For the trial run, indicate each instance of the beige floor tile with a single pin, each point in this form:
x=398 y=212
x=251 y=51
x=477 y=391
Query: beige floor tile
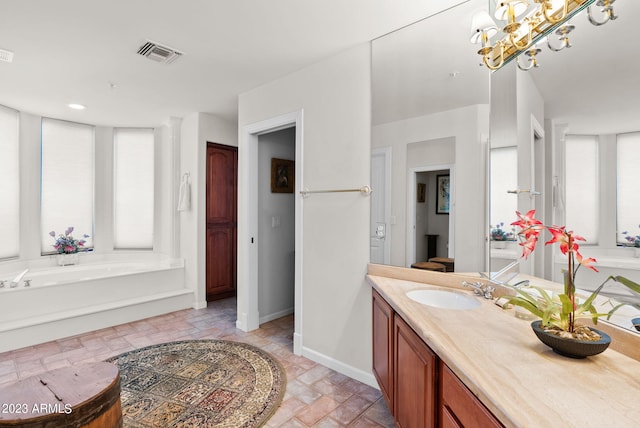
x=315 y=396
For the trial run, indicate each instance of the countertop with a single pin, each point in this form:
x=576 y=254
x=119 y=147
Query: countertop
x=522 y=381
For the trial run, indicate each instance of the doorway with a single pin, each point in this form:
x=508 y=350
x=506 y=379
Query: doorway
x=430 y=228
x=276 y=223
x=379 y=237
x=249 y=215
x=221 y=212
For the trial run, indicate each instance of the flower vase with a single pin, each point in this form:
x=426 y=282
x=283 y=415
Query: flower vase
x=67 y=259
x=572 y=348
x=499 y=245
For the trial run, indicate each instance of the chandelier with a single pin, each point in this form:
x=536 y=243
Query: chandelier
x=525 y=23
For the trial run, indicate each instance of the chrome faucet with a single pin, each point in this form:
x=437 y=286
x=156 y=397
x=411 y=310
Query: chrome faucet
x=480 y=289
x=14 y=283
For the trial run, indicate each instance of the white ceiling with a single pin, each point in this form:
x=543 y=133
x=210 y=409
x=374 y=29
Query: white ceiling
x=594 y=86
x=429 y=67
x=76 y=50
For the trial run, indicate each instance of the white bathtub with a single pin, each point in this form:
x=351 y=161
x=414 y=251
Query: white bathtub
x=99 y=292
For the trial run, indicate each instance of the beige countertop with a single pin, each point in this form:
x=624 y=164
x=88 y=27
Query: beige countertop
x=522 y=381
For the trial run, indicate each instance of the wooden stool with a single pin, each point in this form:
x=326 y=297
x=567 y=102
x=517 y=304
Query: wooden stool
x=84 y=395
x=430 y=266
x=448 y=262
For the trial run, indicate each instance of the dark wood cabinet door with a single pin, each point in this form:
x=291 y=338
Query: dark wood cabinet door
x=222 y=190
x=459 y=407
x=414 y=396
x=383 y=347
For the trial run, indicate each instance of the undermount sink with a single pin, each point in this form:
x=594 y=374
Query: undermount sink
x=444 y=299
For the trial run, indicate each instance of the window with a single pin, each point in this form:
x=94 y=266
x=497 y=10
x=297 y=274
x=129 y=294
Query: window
x=582 y=190
x=628 y=179
x=133 y=188
x=66 y=180
x=504 y=176
x=10 y=189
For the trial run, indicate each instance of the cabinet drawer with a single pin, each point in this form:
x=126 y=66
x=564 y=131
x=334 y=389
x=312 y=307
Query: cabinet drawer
x=458 y=406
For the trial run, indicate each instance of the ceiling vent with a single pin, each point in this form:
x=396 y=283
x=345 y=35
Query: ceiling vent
x=6 y=56
x=159 y=53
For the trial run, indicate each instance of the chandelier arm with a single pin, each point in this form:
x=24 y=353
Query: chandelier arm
x=564 y=44
x=608 y=15
x=486 y=58
x=546 y=7
x=520 y=46
x=524 y=68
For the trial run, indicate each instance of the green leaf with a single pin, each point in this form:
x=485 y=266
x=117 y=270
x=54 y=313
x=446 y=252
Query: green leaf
x=628 y=283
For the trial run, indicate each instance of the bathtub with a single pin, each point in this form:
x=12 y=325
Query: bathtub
x=99 y=292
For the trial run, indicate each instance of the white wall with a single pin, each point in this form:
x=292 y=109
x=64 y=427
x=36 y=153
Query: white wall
x=336 y=301
x=276 y=230
x=467 y=127
x=195 y=131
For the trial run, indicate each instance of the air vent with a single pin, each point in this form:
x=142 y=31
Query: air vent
x=159 y=53
x=6 y=56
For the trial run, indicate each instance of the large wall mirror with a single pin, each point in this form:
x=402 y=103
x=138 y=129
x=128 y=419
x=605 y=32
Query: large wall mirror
x=430 y=117
x=565 y=141
x=437 y=111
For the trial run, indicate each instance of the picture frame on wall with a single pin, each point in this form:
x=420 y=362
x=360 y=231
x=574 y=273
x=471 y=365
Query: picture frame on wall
x=421 y=193
x=283 y=174
x=442 y=194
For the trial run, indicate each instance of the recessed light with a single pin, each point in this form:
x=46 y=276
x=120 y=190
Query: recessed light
x=76 y=106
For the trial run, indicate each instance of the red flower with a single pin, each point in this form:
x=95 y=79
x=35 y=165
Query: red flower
x=531 y=228
x=586 y=262
x=529 y=245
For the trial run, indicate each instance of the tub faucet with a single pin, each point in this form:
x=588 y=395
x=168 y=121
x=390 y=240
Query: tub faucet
x=14 y=283
x=480 y=289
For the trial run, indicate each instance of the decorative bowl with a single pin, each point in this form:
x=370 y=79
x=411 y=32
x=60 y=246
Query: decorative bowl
x=572 y=348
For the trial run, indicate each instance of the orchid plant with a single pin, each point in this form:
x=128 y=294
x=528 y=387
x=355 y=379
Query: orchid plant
x=560 y=311
x=65 y=242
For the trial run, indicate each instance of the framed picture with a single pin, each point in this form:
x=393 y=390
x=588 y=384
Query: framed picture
x=422 y=192
x=283 y=173
x=442 y=195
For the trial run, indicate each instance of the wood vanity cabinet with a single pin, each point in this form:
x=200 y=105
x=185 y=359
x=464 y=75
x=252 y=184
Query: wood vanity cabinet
x=420 y=390
x=414 y=379
x=383 y=347
x=458 y=406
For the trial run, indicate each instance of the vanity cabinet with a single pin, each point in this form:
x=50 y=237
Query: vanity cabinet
x=414 y=388
x=383 y=347
x=420 y=390
x=458 y=406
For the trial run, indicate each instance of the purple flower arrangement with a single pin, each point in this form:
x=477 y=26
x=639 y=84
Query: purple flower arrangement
x=66 y=243
x=632 y=240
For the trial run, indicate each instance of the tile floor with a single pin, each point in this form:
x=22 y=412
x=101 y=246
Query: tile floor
x=316 y=396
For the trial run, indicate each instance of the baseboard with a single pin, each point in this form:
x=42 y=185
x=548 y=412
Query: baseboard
x=200 y=305
x=297 y=343
x=276 y=315
x=345 y=369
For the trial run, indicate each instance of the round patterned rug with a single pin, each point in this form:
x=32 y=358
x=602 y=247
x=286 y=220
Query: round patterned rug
x=199 y=383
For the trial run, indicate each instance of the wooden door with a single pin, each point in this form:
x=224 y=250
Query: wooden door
x=414 y=394
x=383 y=347
x=222 y=191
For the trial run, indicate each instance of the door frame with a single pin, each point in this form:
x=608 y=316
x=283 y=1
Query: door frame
x=248 y=318
x=412 y=177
